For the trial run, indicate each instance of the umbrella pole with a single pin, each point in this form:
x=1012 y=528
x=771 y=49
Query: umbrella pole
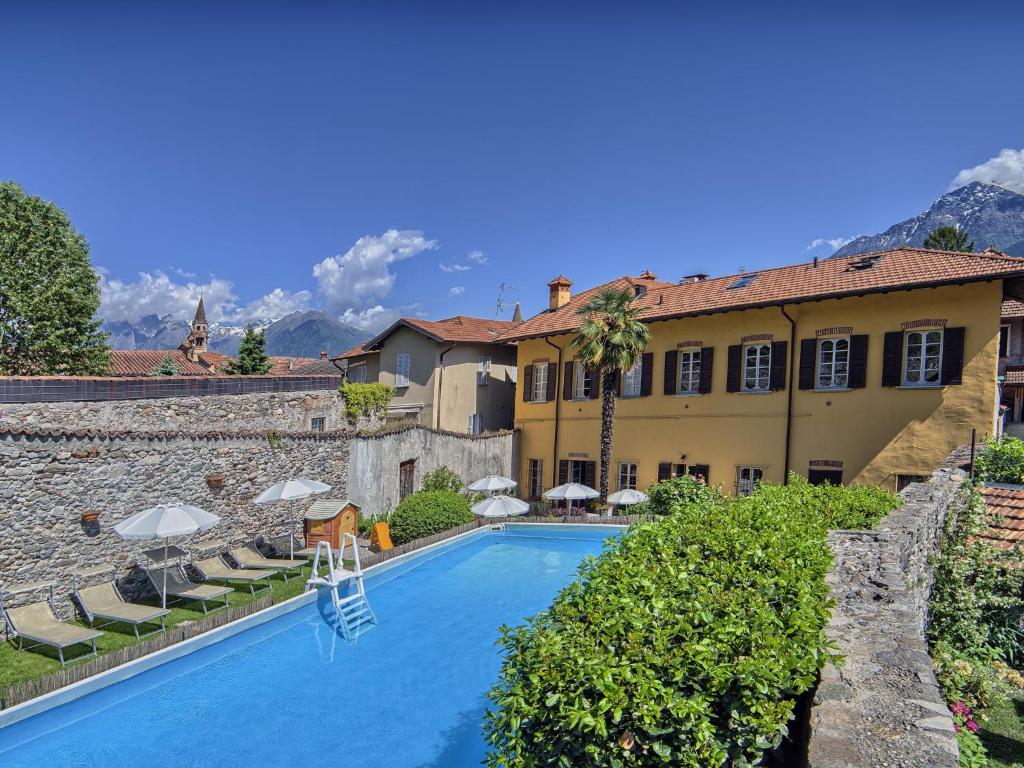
x=164 y=605
x=291 y=539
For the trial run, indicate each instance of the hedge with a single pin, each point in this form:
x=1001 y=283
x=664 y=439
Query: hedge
x=426 y=513
x=685 y=644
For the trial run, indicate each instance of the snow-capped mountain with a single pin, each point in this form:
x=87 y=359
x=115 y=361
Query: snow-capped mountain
x=300 y=334
x=992 y=216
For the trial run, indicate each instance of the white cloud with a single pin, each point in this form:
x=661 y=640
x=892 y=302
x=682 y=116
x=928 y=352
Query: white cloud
x=372 y=319
x=835 y=243
x=1005 y=169
x=478 y=257
x=157 y=294
x=454 y=267
x=361 y=276
x=456 y=290
x=274 y=305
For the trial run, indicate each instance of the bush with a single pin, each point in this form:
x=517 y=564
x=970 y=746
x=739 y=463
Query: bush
x=362 y=400
x=428 y=512
x=834 y=507
x=677 y=493
x=1001 y=461
x=684 y=644
x=442 y=479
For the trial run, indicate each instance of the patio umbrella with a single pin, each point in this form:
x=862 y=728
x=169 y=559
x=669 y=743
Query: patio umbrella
x=493 y=483
x=291 y=490
x=571 y=492
x=628 y=496
x=166 y=521
x=500 y=506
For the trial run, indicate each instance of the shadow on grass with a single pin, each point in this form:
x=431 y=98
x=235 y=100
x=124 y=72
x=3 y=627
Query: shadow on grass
x=1003 y=734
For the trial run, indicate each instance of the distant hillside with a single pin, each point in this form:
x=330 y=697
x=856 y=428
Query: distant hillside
x=300 y=334
x=991 y=215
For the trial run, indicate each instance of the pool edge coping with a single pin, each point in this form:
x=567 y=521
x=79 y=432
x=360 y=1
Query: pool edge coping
x=129 y=669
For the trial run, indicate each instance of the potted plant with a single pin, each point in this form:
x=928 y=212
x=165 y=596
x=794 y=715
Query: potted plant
x=215 y=480
x=90 y=515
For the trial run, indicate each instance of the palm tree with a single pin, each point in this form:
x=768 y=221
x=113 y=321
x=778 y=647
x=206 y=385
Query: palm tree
x=610 y=340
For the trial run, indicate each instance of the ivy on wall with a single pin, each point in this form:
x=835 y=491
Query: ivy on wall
x=364 y=400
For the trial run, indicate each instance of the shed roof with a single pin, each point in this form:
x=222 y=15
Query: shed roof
x=329 y=508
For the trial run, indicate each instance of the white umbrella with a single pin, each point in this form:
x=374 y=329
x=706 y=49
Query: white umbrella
x=493 y=483
x=571 y=492
x=166 y=521
x=291 y=490
x=627 y=496
x=500 y=506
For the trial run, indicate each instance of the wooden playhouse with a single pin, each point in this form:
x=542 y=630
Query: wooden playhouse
x=327 y=520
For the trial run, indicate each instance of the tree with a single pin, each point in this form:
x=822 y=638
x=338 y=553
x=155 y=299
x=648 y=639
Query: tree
x=252 y=355
x=167 y=367
x=49 y=292
x=950 y=238
x=610 y=340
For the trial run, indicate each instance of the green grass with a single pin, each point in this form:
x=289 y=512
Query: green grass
x=1003 y=733
x=18 y=666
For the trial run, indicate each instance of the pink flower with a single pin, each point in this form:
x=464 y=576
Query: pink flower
x=972 y=726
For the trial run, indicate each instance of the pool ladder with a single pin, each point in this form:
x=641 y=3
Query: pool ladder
x=353 y=611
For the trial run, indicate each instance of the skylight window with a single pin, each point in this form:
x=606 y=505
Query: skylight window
x=865 y=262
x=744 y=281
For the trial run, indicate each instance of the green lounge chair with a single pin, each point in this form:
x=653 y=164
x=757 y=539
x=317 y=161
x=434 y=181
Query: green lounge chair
x=105 y=601
x=180 y=587
x=250 y=557
x=38 y=622
x=215 y=569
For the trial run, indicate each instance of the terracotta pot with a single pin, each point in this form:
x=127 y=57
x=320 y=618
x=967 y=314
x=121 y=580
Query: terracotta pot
x=90 y=516
x=215 y=480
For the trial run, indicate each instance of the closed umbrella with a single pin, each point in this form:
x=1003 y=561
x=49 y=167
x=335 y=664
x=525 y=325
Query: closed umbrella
x=500 y=506
x=626 y=497
x=493 y=483
x=166 y=521
x=291 y=490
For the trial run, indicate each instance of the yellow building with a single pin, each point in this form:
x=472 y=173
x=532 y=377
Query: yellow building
x=865 y=369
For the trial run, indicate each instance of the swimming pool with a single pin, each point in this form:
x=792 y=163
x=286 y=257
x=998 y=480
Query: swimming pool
x=408 y=693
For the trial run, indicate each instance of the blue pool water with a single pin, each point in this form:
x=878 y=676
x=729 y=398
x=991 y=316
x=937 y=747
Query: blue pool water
x=291 y=692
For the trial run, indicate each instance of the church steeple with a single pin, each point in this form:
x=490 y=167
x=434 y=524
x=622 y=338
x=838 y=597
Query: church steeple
x=200 y=318
x=195 y=344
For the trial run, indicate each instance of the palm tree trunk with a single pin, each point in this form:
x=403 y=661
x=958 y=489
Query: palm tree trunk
x=609 y=389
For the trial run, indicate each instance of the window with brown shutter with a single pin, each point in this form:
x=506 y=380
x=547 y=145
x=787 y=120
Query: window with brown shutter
x=589 y=473
x=808 y=361
x=703 y=471
x=732 y=378
x=671 y=372
x=527 y=383
x=552 y=381
x=953 y=355
x=778 y=376
x=567 y=380
x=858 y=362
x=664 y=472
x=595 y=384
x=707 y=361
x=823 y=476
x=563 y=472
x=646 y=374
x=892 y=358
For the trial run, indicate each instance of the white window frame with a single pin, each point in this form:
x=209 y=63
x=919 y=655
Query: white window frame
x=763 y=361
x=746 y=482
x=921 y=368
x=483 y=371
x=540 y=383
x=826 y=362
x=629 y=469
x=403 y=367
x=357 y=374
x=580 y=381
x=689 y=372
x=632 y=380
x=535 y=478
x=476 y=423
x=318 y=424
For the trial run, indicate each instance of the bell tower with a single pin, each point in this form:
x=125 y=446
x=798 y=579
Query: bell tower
x=195 y=344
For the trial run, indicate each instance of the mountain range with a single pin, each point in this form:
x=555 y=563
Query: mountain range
x=299 y=334
x=991 y=215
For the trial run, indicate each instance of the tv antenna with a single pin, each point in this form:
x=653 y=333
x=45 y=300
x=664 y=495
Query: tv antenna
x=501 y=305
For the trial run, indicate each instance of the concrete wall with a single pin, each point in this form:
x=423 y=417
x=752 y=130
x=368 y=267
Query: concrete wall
x=264 y=411
x=876 y=432
x=882 y=705
x=417 y=399
x=375 y=459
x=461 y=395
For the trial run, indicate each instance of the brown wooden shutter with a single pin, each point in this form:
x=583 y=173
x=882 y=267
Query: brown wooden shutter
x=589 y=473
x=567 y=381
x=732 y=378
x=679 y=471
x=563 y=472
x=618 y=385
x=595 y=385
x=858 y=372
x=664 y=472
x=671 y=372
x=808 y=353
x=646 y=374
x=707 y=367
x=527 y=383
x=892 y=358
x=778 y=374
x=552 y=382
x=701 y=470
x=953 y=355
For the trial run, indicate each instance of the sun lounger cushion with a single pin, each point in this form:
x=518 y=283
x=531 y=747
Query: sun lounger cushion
x=216 y=568
x=102 y=600
x=37 y=622
x=249 y=557
x=179 y=587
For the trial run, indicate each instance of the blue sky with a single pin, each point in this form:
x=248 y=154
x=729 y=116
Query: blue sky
x=385 y=158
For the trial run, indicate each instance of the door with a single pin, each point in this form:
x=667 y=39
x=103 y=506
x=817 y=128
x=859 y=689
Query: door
x=406 y=474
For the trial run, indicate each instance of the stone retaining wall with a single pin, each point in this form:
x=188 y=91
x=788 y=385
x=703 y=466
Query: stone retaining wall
x=882 y=706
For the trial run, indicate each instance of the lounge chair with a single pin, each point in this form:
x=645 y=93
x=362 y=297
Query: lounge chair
x=38 y=622
x=179 y=586
x=105 y=601
x=290 y=544
x=250 y=557
x=215 y=569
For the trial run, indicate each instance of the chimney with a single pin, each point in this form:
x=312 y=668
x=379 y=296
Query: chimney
x=815 y=262
x=647 y=275
x=694 y=278
x=560 y=292
x=323 y=355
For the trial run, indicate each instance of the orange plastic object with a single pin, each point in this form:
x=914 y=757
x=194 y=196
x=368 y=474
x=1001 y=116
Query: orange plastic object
x=380 y=537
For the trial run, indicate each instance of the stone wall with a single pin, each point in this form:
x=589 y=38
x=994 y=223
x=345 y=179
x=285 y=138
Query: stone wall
x=882 y=706
x=374 y=467
x=262 y=411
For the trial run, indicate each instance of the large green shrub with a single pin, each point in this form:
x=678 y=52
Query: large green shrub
x=833 y=507
x=365 y=399
x=1001 y=461
x=443 y=479
x=428 y=512
x=685 y=644
x=675 y=493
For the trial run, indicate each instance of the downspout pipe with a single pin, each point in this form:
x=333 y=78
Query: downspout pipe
x=440 y=383
x=558 y=403
x=789 y=392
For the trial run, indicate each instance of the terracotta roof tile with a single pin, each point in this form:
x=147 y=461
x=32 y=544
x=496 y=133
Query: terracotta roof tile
x=885 y=270
x=460 y=328
x=1007 y=503
x=282 y=365
x=142 y=362
x=356 y=351
x=1013 y=308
